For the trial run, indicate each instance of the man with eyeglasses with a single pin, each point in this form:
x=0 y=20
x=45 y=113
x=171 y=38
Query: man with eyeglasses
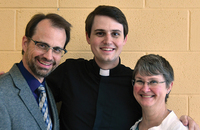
x=44 y=47
x=26 y=102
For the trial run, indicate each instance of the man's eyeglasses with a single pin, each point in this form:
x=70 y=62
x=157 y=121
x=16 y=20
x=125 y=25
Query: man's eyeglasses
x=44 y=47
x=141 y=83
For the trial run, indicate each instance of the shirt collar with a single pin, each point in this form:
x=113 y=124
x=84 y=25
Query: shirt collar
x=110 y=72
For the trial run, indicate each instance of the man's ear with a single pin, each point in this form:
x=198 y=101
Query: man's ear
x=87 y=38
x=24 y=43
x=125 y=39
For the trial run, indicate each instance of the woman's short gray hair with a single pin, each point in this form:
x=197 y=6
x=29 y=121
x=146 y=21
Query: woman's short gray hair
x=153 y=64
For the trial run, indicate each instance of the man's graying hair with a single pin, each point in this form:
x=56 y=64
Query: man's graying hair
x=56 y=20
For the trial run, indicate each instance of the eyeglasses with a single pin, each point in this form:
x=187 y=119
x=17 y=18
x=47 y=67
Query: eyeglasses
x=44 y=47
x=141 y=83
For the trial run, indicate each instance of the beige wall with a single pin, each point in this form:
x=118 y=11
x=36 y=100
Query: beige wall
x=170 y=28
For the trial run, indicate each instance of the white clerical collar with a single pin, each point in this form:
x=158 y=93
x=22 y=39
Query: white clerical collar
x=104 y=72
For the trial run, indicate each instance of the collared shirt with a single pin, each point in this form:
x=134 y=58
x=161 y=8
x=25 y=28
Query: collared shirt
x=92 y=98
x=171 y=122
x=31 y=80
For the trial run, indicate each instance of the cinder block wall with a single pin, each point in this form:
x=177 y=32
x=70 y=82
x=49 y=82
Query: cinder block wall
x=170 y=28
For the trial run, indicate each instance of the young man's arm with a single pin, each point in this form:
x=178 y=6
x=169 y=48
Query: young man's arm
x=188 y=121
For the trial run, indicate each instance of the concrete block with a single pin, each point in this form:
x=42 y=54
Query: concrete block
x=195 y=30
x=94 y=4
x=28 y=3
x=7 y=30
x=172 y=3
x=129 y=59
x=160 y=30
x=178 y=103
x=194 y=107
x=14 y=57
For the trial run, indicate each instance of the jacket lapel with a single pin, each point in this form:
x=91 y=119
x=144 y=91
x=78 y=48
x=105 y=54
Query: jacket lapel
x=53 y=108
x=26 y=96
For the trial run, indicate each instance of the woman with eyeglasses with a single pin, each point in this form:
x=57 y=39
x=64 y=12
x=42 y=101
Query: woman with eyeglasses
x=152 y=82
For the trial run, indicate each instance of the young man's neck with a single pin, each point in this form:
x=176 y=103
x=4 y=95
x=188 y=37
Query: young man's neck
x=107 y=65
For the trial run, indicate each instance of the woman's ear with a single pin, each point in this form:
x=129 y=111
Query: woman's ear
x=170 y=87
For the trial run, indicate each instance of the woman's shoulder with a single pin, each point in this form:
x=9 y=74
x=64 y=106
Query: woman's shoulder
x=173 y=123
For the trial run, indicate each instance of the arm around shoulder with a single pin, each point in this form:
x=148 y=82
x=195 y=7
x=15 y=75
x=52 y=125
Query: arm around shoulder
x=188 y=121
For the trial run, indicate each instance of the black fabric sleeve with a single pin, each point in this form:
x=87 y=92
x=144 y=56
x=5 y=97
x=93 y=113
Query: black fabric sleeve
x=55 y=80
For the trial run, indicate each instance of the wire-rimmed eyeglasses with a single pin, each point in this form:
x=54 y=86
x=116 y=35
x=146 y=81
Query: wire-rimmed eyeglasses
x=44 y=47
x=152 y=83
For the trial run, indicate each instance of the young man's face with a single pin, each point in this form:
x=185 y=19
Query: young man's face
x=106 y=40
x=37 y=61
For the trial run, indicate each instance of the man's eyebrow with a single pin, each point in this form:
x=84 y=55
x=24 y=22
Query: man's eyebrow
x=43 y=43
x=114 y=30
x=99 y=30
x=49 y=45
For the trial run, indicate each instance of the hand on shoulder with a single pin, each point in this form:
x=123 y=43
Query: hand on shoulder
x=2 y=72
x=188 y=121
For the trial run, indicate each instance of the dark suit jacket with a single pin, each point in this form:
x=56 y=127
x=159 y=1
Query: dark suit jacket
x=18 y=108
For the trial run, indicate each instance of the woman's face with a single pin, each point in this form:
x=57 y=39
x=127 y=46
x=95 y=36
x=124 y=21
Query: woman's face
x=150 y=91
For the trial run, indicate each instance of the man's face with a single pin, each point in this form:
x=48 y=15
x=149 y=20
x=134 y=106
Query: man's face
x=106 y=40
x=37 y=62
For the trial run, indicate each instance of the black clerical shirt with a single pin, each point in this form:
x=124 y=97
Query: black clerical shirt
x=94 y=101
